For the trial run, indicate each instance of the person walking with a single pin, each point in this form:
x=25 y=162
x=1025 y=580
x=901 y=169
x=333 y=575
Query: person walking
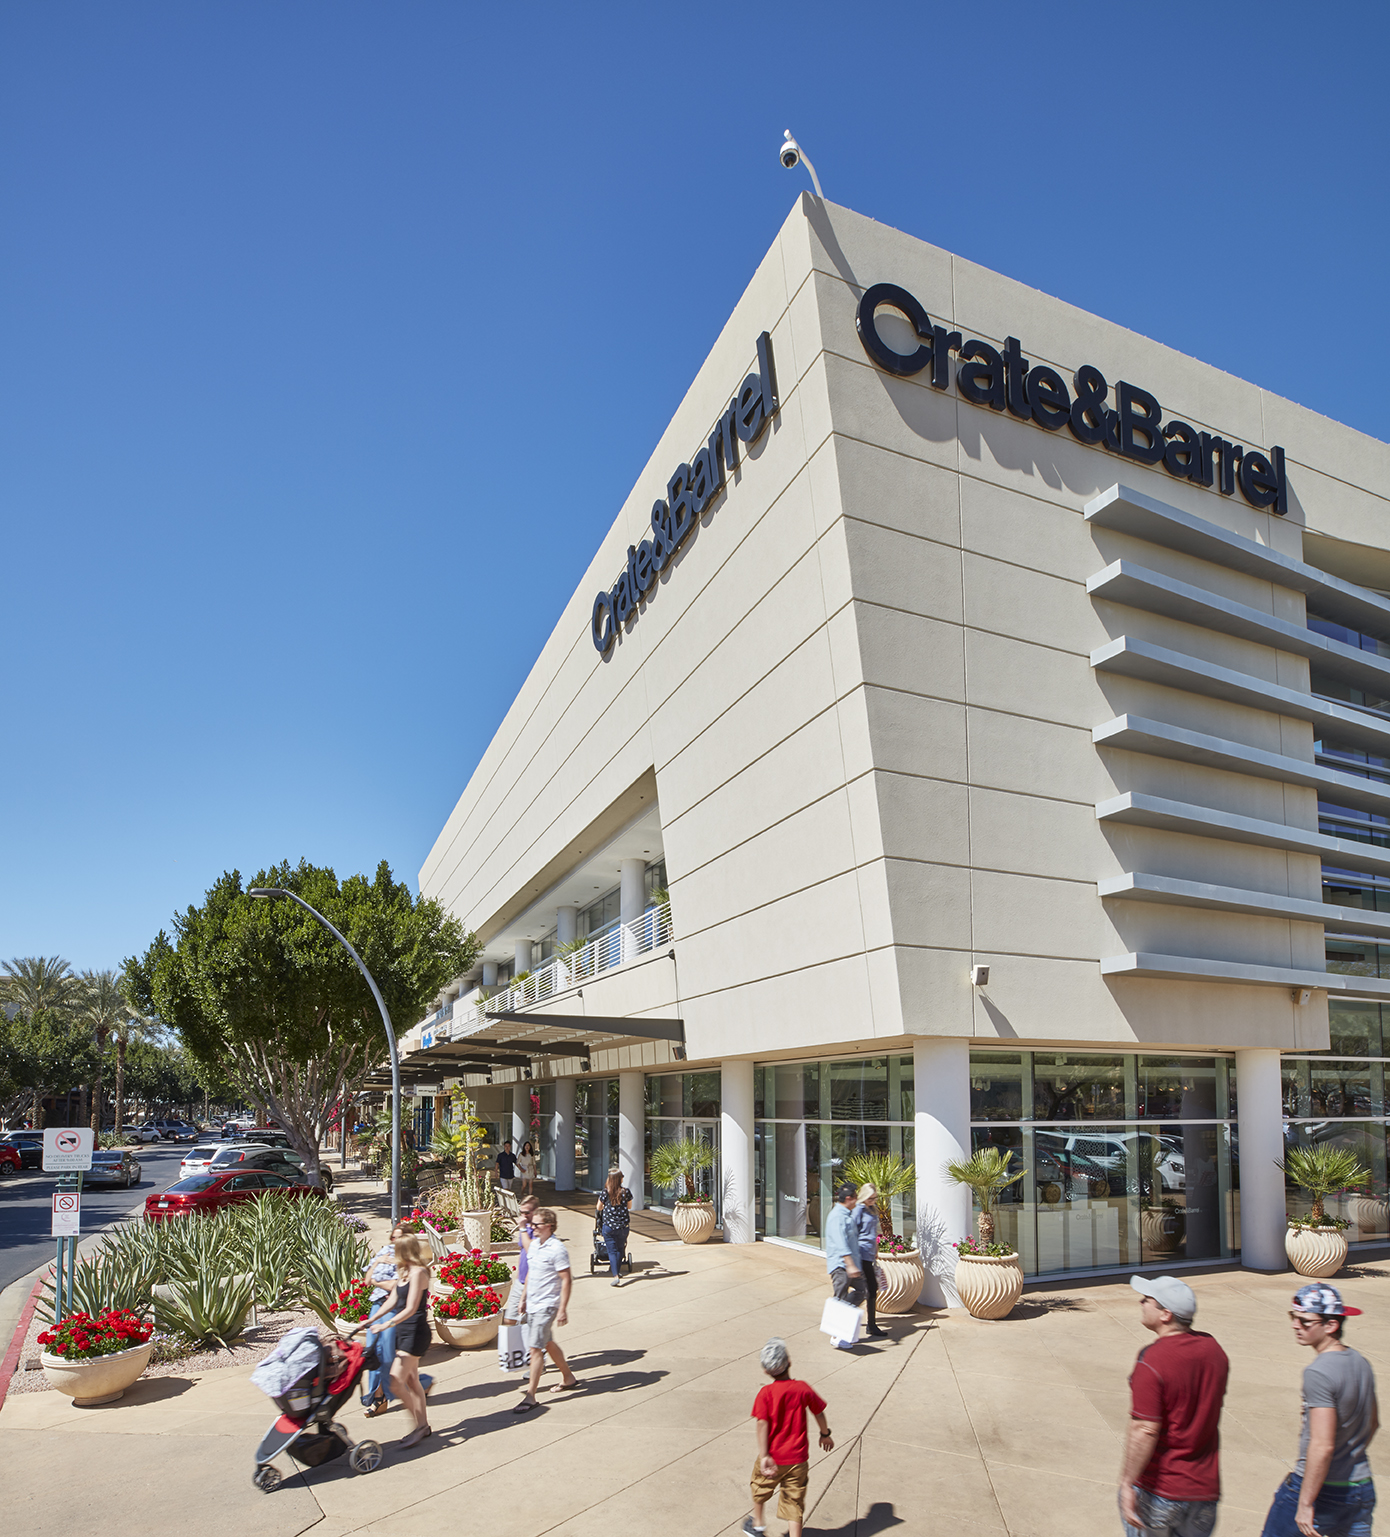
x=544 y=1304
x=381 y=1272
x=506 y=1165
x=405 y=1308
x=784 y=1452
x=1330 y=1492
x=842 y=1255
x=526 y=1167
x=1170 y=1479
x=525 y=1233
x=611 y=1214
x=864 y=1227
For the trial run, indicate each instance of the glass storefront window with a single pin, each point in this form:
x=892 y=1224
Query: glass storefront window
x=1070 y=1086
x=1325 y=1087
x=1354 y=1028
x=1001 y=1087
x=1181 y=1088
x=681 y=1105
x=1365 y=1208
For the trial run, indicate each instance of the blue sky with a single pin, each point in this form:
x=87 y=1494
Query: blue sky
x=333 y=335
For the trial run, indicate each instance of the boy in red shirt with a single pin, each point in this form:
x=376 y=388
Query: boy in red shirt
x=783 y=1449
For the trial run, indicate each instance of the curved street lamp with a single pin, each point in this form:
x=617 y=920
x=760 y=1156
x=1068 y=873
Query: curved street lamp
x=279 y=891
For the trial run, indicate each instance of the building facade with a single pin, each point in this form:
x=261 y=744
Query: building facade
x=973 y=729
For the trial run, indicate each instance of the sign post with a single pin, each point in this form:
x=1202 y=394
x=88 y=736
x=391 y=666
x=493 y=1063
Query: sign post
x=67 y=1152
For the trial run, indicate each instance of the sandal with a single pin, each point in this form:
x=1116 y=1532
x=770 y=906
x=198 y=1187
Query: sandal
x=525 y=1406
x=379 y=1405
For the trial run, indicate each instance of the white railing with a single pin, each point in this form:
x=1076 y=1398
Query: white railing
x=616 y=944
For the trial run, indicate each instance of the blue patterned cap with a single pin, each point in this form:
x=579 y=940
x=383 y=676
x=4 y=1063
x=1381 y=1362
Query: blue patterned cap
x=1323 y=1300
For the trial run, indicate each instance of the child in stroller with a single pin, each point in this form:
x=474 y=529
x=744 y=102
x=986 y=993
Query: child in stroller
x=598 y=1260
x=309 y=1381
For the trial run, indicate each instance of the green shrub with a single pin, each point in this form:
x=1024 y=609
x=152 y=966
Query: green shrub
x=206 y=1308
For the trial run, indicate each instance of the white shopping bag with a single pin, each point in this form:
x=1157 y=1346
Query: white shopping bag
x=512 y=1354
x=840 y=1320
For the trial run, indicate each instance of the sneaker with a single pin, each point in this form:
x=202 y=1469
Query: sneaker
x=750 y=1530
x=615 y=1281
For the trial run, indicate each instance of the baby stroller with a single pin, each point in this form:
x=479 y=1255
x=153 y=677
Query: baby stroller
x=598 y=1260
x=309 y=1382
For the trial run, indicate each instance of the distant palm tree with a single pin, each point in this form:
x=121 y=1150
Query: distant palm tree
x=33 y=983
x=131 y=1026
x=102 y=1008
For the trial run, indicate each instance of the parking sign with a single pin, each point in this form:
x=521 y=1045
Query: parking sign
x=66 y=1148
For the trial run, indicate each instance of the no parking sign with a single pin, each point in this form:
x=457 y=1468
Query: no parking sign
x=67 y=1148
x=67 y=1213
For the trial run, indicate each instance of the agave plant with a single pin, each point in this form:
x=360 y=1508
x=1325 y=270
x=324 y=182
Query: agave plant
x=99 y=1283
x=1322 y=1168
x=986 y=1172
x=205 y=1308
x=889 y=1175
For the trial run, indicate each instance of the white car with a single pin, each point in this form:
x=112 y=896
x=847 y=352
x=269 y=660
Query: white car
x=198 y=1159
x=149 y=1132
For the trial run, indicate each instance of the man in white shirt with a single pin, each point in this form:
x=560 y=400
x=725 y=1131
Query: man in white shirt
x=545 y=1296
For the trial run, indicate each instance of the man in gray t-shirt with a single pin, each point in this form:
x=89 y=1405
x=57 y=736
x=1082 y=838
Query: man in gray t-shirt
x=1330 y=1492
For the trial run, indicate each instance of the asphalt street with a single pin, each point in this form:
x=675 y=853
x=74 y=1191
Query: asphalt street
x=26 y=1205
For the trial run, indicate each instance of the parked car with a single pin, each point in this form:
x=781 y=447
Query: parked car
x=10 y=1162
x=270 y=1136
x=177 y=1131
x=147 y=1132
x=212 y=1192
x=29 y=1145
x=113 y=1166
x=135 y=1134
x=282 y=1161
x=198 y=1159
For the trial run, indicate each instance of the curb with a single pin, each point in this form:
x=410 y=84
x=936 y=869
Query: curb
x=11 y=1361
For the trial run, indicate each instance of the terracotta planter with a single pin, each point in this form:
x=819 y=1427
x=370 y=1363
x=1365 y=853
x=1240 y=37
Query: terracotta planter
x=101 y=1380
x=903 y=1276
x=468 y=1333
x=989 y=1285
x=693 y=1223
x=477 y=1229
x=1316 y=1252
x=1161 y=1229
x=1369 y=1214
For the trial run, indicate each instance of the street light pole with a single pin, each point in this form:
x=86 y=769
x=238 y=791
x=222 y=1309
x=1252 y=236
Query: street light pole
x=279 y=891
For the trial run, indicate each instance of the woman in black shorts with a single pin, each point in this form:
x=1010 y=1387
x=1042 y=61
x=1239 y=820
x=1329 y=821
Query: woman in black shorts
x=406 y=1307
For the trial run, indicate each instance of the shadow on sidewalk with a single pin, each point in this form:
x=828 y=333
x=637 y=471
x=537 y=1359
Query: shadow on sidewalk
x=879 y=1517
x=492 y=1418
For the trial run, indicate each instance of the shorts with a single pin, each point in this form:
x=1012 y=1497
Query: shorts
x=790 y=1484
x=536 y=1327
x=413 y=1336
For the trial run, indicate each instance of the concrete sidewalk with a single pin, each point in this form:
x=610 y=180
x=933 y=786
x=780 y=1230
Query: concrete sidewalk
x=1012 y=1427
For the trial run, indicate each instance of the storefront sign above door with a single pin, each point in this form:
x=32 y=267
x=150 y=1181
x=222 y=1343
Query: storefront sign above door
x=1133 y=427
x=691 y=489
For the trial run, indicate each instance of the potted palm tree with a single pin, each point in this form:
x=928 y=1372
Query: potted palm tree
x=1317 y=1244
x=675 y=1166
x=901 y=1263
x=989 y=1279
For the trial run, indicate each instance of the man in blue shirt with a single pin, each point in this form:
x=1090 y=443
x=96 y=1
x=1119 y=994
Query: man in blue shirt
x=842 y=1253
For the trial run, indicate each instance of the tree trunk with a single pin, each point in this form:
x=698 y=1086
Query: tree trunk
x=120 y=1083
x=986 y=1226
x=37 y=1116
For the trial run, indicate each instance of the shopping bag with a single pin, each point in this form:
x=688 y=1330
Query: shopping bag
x=512 y=1354
x=840 y=1321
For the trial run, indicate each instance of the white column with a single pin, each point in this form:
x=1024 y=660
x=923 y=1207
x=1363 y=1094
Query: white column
x=1260 y=1110
x=489 y=973
x=566 y=925
x=736 y=1151
x=564 y=1134
x=941 y=1086
x=633 y=897
x=521 y=1114
x=521 y=956
x=632 y=1116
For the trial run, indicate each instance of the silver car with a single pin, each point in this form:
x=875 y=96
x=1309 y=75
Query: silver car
x=113 y=1166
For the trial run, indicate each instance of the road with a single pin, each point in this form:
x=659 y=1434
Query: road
x=26 y=1205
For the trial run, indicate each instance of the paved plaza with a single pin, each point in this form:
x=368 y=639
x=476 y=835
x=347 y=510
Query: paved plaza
x=951 y=1424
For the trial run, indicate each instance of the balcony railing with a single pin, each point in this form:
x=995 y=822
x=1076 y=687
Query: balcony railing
x=621 y=942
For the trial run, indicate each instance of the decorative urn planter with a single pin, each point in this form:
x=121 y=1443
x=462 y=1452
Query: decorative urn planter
x=693 y=1221
x=1161 y=1229
x=468 y=1333
x=989 y=1285
x=101 y=1380
x=477 y=1229
x=1316 y=1251
x=904 y=1275
x=1371 y=1215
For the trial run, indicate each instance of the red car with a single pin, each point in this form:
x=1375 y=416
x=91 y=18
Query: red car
x=211 y=1192
x=10 y=1161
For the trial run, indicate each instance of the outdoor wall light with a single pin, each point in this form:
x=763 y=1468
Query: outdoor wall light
x=979 y=976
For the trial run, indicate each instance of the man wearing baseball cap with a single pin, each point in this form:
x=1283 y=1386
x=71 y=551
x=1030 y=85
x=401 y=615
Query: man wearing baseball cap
x=1329 y=1493
x=1170 y=1480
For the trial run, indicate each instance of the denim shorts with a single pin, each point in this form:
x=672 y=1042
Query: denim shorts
x=1171 y=1518
x=1340 y=1510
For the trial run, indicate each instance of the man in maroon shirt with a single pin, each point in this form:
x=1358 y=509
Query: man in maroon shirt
x=1171 y=1478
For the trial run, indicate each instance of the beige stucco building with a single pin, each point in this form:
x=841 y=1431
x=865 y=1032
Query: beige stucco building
x=934 y=684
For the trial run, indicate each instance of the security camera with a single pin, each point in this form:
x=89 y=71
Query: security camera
x=979 y=976
x=791 y=152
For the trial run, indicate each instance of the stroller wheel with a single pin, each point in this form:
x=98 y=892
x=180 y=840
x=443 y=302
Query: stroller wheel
x=266 y=1478
x=365 y=1457
x=628 y=1262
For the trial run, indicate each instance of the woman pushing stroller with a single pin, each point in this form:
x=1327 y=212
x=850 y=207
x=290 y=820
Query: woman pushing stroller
x=405 y=1312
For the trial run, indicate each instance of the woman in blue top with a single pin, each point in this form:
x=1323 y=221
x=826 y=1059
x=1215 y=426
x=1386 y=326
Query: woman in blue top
x=863 y=1224
x=613 y=1219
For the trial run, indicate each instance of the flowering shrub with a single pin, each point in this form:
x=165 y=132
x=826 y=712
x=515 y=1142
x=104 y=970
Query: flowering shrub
x=969 y=1246
x=354 y=1302
x=352 y=1223
x=80 y=1337
x=468 y=1302
x=464 y=1268
x=891 y=1243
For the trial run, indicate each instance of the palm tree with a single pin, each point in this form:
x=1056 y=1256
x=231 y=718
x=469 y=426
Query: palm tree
x=986 y=1171
x=888 y=1174
x=102 y=1008
x=36 y=982
x=131 y=1026
x=1322 y=1168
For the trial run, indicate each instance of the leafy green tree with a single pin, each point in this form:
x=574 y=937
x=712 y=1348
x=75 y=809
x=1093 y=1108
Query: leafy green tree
x=261 y=991
x=36 y=985
x=47 y=1049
